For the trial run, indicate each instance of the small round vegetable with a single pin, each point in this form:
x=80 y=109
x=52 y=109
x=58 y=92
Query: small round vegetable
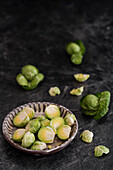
x=46 y=134
x=45 y=122
x=63 y=132
x=76 y=58
x=86 y=136
x=29 y=71
x=18 y=135
x=30 y=112
x=53 y=91
x=90 y=102
x=33 y=126
x=21 y=119
x=41 y=117
x=28 y=139
x=37 y=145
x=69 y=119
x=52 y=111
x=72 y=48
x=81 y=77
x=57 y=122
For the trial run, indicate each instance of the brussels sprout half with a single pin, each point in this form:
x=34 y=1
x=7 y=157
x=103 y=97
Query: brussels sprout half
x=18 y=135
x=57 y=122
x=63 y=132
x=52 y=111
x=37 y=145
x=28 y=140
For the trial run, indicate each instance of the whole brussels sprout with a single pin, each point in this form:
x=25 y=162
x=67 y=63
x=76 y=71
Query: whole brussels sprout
x=45 y=122
x=46 y=134
x=63 y=132
x=37 y=145
x=72 y=48
x=21 y=119
x=69 y=119
x=18 y=135
x=86 y=136
x=57 y=122
x=33 y=126
x=28 y=140
x=76 y=58
x=81 y=77
x=41 y=117
x=30 y=112
x=52 y=111
x=53 y=91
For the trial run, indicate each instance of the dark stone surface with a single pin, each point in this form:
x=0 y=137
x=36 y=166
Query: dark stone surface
x=36 y=32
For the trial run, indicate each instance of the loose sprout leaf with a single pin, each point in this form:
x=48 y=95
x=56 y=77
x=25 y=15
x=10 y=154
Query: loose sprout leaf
x=103 y=105
x=53 y=91
x=81 y=77
x=77 y=91
x=21 y=80
x=89 y=112
x=100 y=150
x=87 y=136
x=81 y=45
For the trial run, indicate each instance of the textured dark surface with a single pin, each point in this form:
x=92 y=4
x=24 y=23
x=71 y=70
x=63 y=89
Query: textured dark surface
x=36 y=32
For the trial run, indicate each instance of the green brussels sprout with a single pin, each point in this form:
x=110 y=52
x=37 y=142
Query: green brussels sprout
x=69 y=119
x=100 y=150
x=21 y=119
x=72 y=48
x=53 y=91
x=76 y=58
x=96 y=105
x=28 y=140
x=45 y=122
x=46 y=134
x=33 y=126
x=18 y=135
x=30 y=77
x=41 y=117
x=63 y=132
x=30 y=112
x=37 y=145
x=52 y=111
x=86 y=136
x=81 y=77
x=77 y=91
x=56 y=122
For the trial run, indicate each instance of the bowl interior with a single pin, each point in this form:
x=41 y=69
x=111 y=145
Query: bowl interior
x=39 y=108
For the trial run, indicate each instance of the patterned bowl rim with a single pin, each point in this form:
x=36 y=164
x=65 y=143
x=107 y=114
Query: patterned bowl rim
x=36 y=152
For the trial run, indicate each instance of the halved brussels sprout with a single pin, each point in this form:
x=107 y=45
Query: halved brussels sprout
x=53 y=91
x=63 y=132
x=21 y=119
x=37 y=145
x=69 y=119
x=86 y=136
x=52 y=111
x=41 y=117
x=18 y=135
x=57 y=122
x=77 y=91
x=33 y=126
x=45 y=122
x=46 y=134
x=30 y=112
x=81 y=77
x=28 y=140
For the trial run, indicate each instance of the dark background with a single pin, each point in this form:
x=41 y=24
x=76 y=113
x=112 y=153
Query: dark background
x=36 y=32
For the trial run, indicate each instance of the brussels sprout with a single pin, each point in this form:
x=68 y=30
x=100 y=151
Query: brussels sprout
x=30 y=77
x=18 y=135
x=53 y=91
x=28 y=140
x=41 y=117
x=52 y=111
x=96 y=104
x=63 y=132
x=46 y=134
x=100 y=150
x=76 y=58
x=37 y=145
x=81 y=77
x=21 y=119
x=33 y=126
x=69 y=119
x=77 y=91
x=30 y=112
x=72 y=48
x=57 y=122
x=45 y=122
x=86 y=136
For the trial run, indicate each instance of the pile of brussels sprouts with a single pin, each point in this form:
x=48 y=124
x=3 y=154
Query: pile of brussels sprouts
x=35 y=133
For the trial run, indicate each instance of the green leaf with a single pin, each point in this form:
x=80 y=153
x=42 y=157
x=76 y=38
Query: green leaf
x=103 y=105
x=89 y=112
x=81 y=45
x=100 y=150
